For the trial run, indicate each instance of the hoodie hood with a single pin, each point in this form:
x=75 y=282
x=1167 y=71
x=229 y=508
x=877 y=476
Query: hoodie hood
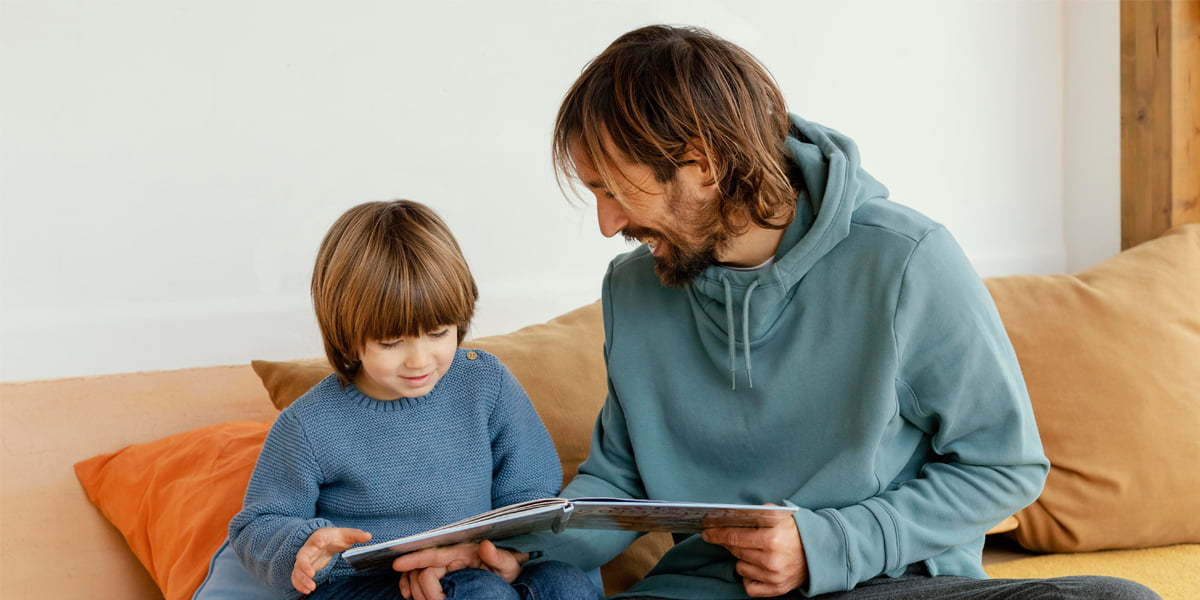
x=744 y=304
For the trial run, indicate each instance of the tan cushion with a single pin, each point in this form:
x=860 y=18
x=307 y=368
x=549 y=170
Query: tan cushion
x=1111 y=357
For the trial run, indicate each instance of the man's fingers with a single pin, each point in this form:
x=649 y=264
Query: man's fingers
x=757 y=572
x=761 y=589
x=735 y=537
x=753 y=556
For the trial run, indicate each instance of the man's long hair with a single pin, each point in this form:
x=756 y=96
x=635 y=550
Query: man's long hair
x=659 y=91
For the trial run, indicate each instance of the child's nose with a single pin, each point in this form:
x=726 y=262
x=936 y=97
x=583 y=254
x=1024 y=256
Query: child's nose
x=418 y=355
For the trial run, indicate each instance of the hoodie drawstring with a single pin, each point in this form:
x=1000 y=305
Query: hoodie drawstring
x=746 y=331
x=731 y=332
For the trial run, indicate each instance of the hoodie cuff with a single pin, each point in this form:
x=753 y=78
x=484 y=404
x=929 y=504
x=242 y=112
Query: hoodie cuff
x=843 y=547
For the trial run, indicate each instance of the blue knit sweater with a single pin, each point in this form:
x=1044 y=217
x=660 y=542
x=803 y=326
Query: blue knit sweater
x=337 y=458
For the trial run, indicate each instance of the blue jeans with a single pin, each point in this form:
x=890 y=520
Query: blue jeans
x=547 y=580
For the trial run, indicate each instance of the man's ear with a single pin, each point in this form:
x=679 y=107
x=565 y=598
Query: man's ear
x=698 y=165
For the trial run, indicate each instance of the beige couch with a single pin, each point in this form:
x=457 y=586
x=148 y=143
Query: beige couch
x=1110 y=356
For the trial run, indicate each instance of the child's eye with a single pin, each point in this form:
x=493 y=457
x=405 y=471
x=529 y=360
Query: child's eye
x=440 y=332
x=389 y=343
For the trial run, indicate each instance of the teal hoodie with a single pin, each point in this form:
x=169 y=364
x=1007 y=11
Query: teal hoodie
x=864 y=377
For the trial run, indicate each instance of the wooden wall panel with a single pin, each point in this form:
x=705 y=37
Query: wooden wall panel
x=1160 y=117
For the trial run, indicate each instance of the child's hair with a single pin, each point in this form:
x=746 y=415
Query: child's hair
x=387 y=270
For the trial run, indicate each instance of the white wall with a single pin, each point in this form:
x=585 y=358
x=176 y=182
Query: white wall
x=1092 y=122
x=168 y=167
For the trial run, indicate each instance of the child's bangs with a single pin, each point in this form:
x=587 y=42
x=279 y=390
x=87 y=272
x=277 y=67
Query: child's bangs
x=418 y=303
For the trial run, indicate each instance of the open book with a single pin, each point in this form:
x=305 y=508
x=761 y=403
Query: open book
x=556 y=514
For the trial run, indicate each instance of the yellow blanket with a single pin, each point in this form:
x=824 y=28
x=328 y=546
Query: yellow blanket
x=1172 y=571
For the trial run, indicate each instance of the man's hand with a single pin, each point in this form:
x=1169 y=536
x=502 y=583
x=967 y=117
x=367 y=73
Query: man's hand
x=422 y=571
x=321 y=546
x=770 y=559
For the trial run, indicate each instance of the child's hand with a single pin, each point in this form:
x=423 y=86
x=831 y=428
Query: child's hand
x=423 y=584
x=318 y=549
x=504 y=563
x=422 y=571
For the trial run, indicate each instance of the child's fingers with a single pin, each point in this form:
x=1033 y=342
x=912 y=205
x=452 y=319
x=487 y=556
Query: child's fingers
x=337 y=539
x=302 y=578
x=500 y=562
x=430 y=583
x=462 y=555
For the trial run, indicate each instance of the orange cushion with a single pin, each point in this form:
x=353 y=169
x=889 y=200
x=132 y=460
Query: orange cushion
x=172 y=499
x=1111 y=357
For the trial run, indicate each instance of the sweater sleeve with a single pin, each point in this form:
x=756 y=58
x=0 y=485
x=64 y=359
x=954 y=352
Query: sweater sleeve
x=958 y=380
x=277 y=515
x=525 y=465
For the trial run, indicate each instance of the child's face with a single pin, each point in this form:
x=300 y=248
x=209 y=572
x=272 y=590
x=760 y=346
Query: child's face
x=406 y=367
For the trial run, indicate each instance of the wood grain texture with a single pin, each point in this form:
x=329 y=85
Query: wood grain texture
x=1160 y=117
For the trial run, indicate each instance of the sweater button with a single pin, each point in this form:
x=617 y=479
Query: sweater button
x=472 y=355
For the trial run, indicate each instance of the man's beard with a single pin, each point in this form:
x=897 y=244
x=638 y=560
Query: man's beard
x=683 y=261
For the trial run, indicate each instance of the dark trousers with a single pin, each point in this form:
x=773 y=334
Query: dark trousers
x=917 y=584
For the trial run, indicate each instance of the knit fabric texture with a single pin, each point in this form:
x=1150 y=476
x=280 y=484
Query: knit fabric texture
x=337 y=458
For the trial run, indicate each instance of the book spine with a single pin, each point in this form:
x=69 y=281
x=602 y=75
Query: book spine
x=560 y=523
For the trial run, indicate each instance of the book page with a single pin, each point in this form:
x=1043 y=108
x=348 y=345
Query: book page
x=503 y=522
x=676 y=517
x=552 y=514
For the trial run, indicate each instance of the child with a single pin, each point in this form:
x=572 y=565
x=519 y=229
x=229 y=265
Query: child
x=411 y=432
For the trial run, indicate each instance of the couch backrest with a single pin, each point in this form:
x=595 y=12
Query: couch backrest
x=53 y=542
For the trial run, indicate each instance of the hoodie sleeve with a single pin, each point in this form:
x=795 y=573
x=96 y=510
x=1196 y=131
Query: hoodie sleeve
x=608 y=472
x=958 y=380
x=278 y=513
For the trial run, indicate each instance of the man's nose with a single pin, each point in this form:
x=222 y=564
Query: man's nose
x=611 y=215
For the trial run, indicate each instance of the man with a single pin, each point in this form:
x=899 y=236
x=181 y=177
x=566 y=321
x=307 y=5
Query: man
x=785 y=334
